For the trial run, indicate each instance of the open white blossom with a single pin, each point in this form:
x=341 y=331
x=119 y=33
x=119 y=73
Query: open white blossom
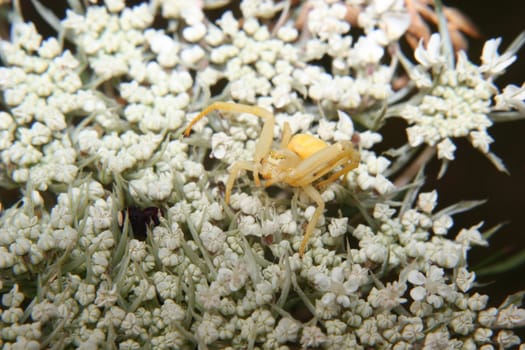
x=391 y=18
x=512 y=97
x=431 y=288
x=431 y=56
x=491 y=62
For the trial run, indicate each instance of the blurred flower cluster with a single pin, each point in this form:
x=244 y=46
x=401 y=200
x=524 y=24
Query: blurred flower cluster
x=91 y=123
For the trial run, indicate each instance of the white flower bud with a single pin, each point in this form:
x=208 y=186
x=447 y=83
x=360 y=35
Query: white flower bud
x=115 y=5
x=287 y=33
x=192 y=54
x=194 y=33
x=213 y=238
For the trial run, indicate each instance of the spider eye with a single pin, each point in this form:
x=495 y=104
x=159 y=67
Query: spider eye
x=276 y=155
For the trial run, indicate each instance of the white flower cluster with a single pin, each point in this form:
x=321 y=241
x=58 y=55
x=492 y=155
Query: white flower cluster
x=109 y=41
x=456 y=100
x=42 y=87
x=275 y=72
x=91 y=133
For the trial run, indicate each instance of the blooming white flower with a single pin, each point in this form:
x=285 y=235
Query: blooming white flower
x=165 y=284
x=442 y=224
x=431 y=288
x=427 y=201
x=507 y=339
x=212 y=237
x=312 y=336
x=85 y=294
x=106 y=297
x=327 y=20
x=389 y=297
x=512 y=97
x=366 y=51
x=286 y=330
x=491 y=62
x=431 y=56
x=368 y=332
x=344 y=128
x=511 y=315
x=471 y=236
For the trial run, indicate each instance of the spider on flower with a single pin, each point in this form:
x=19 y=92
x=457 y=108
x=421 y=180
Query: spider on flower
x=301 y=160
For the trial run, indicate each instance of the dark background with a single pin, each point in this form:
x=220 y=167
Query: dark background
x=472 y=176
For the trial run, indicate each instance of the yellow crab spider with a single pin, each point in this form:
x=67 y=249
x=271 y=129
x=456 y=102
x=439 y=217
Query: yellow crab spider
x=301 y=160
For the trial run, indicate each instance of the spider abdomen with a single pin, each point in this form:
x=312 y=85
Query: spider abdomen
x=304 y=145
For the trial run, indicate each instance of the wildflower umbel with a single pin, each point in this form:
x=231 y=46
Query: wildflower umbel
x=92 y=123
x=456 y=103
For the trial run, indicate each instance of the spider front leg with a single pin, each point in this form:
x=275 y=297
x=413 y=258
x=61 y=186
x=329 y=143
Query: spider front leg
x=234 y=173
x=316 y=197
x=324 y=161
x=265 y=140
x=287 y=135
x=354 y=161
